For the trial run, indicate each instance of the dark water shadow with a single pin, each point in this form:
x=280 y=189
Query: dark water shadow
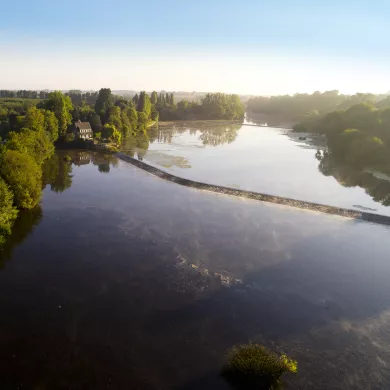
x=22 y=228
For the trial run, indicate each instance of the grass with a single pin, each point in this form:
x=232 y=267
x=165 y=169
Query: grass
x=252 y=366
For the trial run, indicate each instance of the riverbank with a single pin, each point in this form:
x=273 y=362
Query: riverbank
x=369 y=217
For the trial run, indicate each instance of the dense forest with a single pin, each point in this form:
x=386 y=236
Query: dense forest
x=359 y=135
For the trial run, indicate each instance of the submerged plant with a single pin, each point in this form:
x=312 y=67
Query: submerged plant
x=252 y=366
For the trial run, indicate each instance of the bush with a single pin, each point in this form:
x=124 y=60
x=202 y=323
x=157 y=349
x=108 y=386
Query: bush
x=8 y=213
x=252 y=366
x=23 y=176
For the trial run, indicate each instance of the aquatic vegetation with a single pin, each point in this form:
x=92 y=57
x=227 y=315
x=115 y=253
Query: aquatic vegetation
x=252 y=366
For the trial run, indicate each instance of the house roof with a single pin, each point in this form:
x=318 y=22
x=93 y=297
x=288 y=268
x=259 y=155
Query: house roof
x=84 y=125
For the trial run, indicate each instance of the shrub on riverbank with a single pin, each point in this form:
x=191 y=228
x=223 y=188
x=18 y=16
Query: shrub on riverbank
x=252 y=366
x=23 y=176
x=8 y=212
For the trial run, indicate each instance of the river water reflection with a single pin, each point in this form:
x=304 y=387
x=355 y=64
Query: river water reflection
x=123 y=280
x=263 y=159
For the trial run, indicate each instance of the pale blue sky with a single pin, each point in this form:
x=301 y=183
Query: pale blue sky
x=254 y=47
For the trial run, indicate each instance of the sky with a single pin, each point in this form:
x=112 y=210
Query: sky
x=246 y=46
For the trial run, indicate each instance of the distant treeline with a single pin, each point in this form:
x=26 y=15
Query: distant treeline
x=295 y=108
x=359 y=135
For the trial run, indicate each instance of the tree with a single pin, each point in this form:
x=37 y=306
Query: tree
x=35 y=144
x=142 y=120
x=34 y=119
x=110 y=131
x=38 y=120
x=135 y=100
x=8 y=212
x=153 y=97
x=23 y=176
x=115 y=117
x=132 y=114
x=154 y=115
x=172 y=100
x=96 y=123
x=104 y=103
x=126 y=126
x=62 y=106
x=144 y=104
x=51 y=125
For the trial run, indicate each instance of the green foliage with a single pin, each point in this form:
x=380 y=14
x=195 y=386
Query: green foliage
x=96 y=123
x=36 y=144
x=132 y=114
x=115 y=117
x=111 y=132
x=51 y=125
x=252 y=366
x=153 y=97
x=144 y=104
x=222 y=106
x=34 y=119
x=103 y=104
x=62 y=106
x=142 y=119
x=23 y=176
x=8 y=212
x=38 y=120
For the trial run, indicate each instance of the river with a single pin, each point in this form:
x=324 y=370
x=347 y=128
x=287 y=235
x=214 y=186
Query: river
x=264 y=159
x=123 y=280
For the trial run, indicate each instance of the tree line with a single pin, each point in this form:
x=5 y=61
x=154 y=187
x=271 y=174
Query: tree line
x=295 y=108
x=359 y=135
x=114 y=117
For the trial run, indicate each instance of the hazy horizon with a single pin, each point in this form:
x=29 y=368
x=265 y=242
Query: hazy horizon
x=248 y=48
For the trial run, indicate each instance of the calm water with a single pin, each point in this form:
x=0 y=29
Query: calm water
x=263 y=159
x=122 y=280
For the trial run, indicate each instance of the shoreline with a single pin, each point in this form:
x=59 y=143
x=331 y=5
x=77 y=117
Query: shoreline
x=358 y=215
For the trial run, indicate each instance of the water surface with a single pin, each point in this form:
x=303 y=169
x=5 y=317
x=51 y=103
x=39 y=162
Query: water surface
x=263 y=159
x=123 y=280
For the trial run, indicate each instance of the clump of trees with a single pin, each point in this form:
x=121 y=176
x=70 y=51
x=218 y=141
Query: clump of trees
x=29 y=143
x=8 y=211
x=252 y=366
x=212 y=106
x=359 y=135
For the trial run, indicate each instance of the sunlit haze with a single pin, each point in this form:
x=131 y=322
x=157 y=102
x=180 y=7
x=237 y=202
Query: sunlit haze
x=247 y=47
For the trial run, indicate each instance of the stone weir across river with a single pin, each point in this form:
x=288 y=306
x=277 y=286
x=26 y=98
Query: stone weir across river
x=369 y=217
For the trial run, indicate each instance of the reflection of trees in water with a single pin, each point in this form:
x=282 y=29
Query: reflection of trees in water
x=136 y=146
x=104 y=161
x=350 y=176
x=219 y=136
x=21 y=229
x=57 y=173
x=269 y=119
x=213 y=135
x=104 y=168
